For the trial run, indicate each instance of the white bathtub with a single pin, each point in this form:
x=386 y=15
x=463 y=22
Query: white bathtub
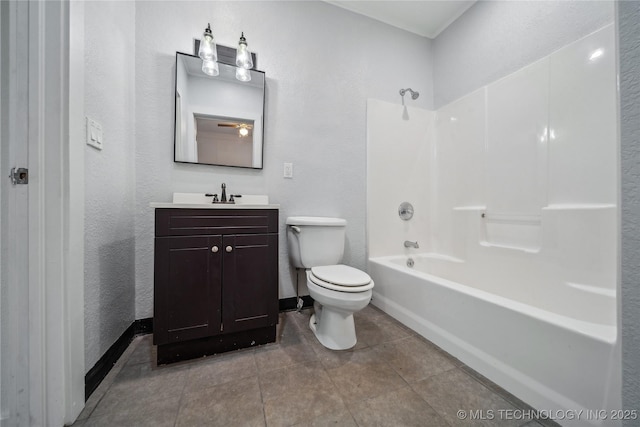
x=550 y=360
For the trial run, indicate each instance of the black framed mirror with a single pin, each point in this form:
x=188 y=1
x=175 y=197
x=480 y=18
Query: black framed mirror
x=219 y=120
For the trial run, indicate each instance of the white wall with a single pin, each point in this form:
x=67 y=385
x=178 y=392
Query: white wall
x=495 y=38
x=110 y=178
x=629 y=48
x=321 y=63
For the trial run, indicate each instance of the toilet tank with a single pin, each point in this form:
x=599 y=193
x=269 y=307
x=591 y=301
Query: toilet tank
x=315 y=241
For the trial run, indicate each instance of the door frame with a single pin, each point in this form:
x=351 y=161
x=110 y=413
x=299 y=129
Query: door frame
x=49 y=358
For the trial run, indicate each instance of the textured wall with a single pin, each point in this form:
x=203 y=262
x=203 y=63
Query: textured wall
x=110 y=178
x=495 y=38
x=629 y=47
x=321 y=63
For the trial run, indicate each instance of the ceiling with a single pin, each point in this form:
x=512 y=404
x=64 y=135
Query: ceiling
x=426 y=18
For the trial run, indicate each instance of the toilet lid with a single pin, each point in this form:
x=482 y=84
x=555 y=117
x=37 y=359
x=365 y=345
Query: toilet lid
x=341 y=275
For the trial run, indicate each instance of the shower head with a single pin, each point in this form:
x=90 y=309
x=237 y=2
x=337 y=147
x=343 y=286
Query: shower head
x=414 y=95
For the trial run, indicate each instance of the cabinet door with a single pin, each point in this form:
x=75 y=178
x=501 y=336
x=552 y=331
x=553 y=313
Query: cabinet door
x=187 y=288
x=250 y=281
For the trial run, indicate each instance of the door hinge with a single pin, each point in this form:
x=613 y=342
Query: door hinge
x=221 y=327
x=19 y=176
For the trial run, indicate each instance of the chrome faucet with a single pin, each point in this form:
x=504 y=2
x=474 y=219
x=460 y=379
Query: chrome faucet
x=223 y=197
x=409 y=244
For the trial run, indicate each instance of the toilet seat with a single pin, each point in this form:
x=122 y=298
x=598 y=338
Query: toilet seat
x=341 y=278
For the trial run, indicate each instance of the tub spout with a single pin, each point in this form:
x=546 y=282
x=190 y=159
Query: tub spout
x=409 y=244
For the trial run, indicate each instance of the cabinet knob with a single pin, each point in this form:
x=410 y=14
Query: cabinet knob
x=214 y=249
x=229 y=249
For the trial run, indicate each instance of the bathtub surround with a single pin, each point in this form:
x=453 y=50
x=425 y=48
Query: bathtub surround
x=629 y=48
x=521 y=206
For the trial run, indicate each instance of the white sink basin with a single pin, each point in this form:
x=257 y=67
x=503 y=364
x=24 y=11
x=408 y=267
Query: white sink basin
x=201 y=199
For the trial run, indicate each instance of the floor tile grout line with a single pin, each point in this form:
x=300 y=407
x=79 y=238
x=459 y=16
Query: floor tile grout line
x=324 y=369
x=410 y=387
x=346 y=405
x=428 y=404
x=182 y=394
x=264 y=412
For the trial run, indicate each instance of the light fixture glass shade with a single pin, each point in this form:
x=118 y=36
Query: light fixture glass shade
x=208 y=50
x=210 y=68
x=243 y=55
x=243 y=132
x=243 y=74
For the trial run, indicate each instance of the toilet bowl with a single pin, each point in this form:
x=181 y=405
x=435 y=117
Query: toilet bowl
x=317 y=245
x=335 y=303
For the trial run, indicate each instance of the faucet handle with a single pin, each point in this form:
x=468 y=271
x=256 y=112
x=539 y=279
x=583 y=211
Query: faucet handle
x=215 y=198
x=231 y=199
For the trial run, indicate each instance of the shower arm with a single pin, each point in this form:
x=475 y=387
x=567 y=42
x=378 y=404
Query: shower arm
x=414 y=94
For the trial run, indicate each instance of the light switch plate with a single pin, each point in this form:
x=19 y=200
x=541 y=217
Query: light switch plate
x=94 y=134
x=288 y=170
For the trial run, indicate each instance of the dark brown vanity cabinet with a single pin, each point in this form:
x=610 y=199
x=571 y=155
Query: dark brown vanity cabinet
x=215 y=280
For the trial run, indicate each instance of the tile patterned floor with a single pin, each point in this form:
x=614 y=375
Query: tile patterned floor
x=393 y=377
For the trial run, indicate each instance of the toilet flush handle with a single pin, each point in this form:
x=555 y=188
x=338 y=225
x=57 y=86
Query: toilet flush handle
x=295 y=228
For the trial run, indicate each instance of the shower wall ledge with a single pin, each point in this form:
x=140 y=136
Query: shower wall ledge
x=579 y=206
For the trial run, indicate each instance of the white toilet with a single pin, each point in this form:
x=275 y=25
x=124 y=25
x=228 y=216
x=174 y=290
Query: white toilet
x=317 y=245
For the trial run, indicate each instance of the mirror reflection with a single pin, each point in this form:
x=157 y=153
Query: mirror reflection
x=219 y=120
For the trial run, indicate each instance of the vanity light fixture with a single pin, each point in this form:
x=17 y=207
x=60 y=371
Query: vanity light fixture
x=243 y=55
x=244 y=63
x=208 y=50
x=243 y=131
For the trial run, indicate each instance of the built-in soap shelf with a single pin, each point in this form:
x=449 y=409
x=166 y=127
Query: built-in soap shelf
x=517 y=231
x=523 y=231
x=514 y=231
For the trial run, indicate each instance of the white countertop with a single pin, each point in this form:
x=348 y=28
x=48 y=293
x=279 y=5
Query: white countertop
x=211 y=206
